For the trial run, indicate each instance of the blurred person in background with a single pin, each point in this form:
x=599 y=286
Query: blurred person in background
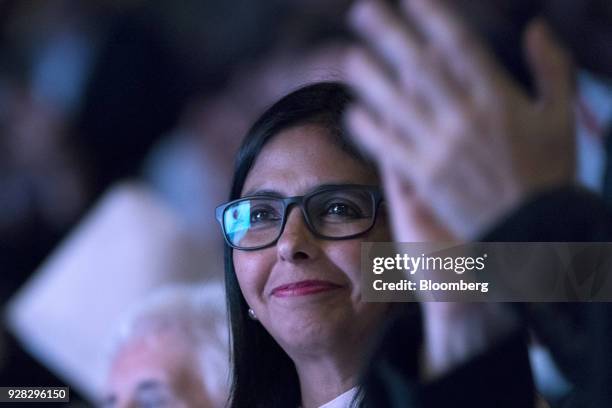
x=171 y=351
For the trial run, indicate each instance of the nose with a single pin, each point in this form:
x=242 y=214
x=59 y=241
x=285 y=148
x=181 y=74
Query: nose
x=297 y=243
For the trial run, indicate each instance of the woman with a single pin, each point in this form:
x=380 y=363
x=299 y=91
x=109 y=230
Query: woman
x=302 y=200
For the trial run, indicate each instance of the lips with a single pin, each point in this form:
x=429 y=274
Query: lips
x=304 y=288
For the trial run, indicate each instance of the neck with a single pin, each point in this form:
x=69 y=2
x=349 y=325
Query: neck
x=323 y=379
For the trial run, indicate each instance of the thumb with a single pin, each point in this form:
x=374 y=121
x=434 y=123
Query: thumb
x=550 y=64
x=399 y=199
x=410 y=219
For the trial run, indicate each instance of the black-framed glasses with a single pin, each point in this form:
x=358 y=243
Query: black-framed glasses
x=331 y=212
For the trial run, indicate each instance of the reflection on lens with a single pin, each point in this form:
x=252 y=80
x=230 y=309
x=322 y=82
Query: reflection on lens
x=237 y=221
x=253 y=222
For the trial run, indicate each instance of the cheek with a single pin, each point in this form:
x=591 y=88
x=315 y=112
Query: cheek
x=346 y=256
x=381 y=232
x=252 y=271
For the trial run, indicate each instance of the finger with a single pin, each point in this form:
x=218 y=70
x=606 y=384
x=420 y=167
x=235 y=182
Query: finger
x=443 y=29
x=399 y=197
x=411 y=219
x=381 y=94
x=379 y=141
x=550 y=64
x=442 y=93
x=385 y=31
x=397 y=188
x=427 y=91
x=413 y=64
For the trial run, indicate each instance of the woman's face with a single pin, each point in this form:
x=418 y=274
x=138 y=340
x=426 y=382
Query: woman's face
x=330 y=313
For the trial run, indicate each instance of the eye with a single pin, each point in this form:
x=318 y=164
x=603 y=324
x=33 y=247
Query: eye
x=344 y=210
x=263 y=214
x=154 y=396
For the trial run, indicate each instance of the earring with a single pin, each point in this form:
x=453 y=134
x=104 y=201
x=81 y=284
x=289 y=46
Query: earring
x=252 y=314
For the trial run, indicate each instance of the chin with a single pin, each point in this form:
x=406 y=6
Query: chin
x=312 y=331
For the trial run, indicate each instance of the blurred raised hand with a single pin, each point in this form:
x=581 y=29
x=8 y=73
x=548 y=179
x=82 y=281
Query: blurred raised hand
x=467 y=142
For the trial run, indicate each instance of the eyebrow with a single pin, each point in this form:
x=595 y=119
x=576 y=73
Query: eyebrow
x=264 y=192
x=276 y=193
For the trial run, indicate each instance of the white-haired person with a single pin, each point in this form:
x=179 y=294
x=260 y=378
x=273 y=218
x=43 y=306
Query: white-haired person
x=171 y=351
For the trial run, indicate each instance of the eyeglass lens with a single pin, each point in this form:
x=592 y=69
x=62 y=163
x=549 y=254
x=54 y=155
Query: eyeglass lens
x=255 y=222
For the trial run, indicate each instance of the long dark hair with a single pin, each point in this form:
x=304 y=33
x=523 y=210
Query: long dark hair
x=263 y=375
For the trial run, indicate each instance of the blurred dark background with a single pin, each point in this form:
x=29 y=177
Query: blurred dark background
x=94 y=92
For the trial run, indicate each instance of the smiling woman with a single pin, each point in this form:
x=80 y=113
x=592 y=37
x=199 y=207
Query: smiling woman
x=302 y=201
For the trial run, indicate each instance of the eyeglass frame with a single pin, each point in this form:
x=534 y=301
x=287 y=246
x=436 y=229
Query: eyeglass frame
x=375 y=194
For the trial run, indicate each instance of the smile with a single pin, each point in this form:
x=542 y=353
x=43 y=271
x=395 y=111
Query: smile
x=304 y=288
